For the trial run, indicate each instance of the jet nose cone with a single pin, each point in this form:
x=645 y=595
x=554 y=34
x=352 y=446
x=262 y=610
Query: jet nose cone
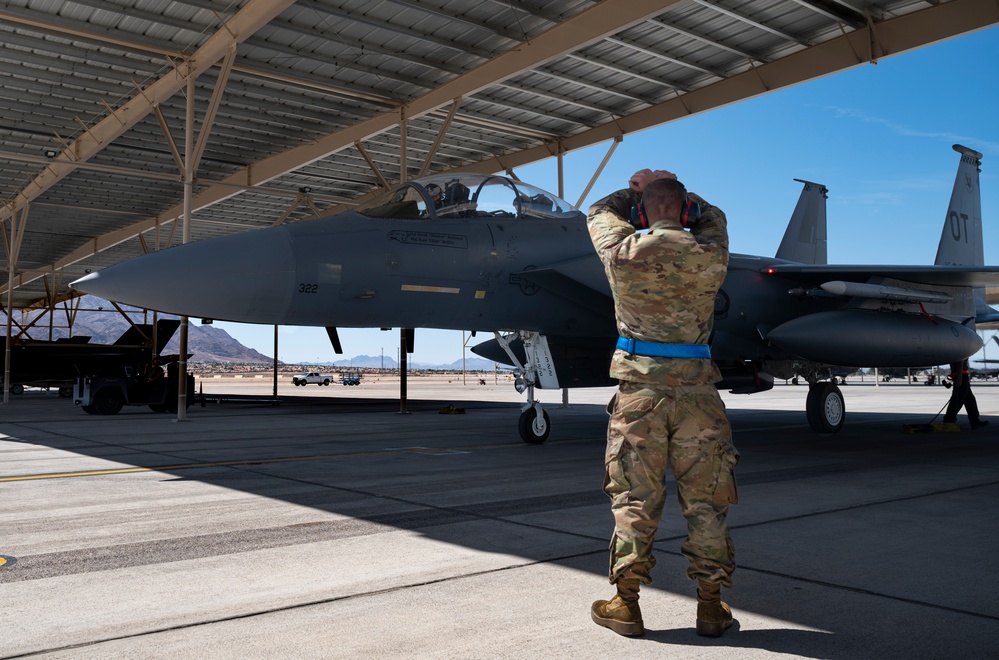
x=234 y=278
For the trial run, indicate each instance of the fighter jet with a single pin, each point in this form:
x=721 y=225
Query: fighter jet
x=493 y=254
x=984 y=373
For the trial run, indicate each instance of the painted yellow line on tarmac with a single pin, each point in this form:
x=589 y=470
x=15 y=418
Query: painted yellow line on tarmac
x=2 y=561
x=259 y=461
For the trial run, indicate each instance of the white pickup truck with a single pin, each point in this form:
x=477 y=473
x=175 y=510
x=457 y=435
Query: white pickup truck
x=311 y=377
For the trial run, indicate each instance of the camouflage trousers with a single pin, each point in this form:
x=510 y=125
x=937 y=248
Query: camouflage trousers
x=687 y=429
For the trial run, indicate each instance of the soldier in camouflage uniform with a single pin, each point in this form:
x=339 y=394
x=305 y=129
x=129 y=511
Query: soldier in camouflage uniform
x=667 y=409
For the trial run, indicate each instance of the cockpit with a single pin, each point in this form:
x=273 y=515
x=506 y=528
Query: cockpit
x=468 y=196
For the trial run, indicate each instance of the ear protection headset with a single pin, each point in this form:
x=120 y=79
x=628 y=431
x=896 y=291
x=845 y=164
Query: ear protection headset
x=638 y=218
x=690 y=211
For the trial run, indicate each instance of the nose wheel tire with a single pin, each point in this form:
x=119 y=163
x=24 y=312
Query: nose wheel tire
x=825 y=409
x=534 y=429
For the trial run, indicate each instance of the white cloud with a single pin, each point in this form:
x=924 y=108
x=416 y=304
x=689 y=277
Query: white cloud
x=979 y=144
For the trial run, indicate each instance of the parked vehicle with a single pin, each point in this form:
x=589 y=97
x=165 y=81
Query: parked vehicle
x=350 y=377
x=106 y=395
x=312 y=377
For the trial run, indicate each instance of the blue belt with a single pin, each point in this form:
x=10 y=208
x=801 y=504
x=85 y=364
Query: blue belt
x=653 y=349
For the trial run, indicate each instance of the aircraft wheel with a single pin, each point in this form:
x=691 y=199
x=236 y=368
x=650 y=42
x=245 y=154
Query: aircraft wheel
x=825 y=409
x=534 y=430
x=158 y=407
x=90 y=410
x=17 y=389
x=65 y=392
x=108 y=401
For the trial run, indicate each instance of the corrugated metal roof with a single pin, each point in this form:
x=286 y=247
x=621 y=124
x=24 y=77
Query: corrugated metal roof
x=318 y=87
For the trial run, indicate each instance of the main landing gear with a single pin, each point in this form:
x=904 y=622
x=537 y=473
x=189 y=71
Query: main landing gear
x=824 y=408
x=534 y=424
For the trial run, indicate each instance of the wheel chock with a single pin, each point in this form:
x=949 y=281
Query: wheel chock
x=941 y=427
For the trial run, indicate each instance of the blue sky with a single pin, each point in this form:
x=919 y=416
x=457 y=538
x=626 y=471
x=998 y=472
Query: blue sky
x=877 y=136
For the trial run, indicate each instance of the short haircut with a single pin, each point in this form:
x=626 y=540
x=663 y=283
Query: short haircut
x=664 y=191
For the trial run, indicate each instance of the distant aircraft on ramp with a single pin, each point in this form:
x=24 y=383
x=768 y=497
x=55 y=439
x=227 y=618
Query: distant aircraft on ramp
x=492 y=254
x=986 y=372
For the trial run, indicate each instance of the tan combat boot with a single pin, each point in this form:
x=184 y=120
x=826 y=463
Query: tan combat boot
x=713 y=616
x=621 y=613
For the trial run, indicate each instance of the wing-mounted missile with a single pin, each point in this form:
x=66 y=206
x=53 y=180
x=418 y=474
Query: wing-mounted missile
x=885 y=292
x=858 y=338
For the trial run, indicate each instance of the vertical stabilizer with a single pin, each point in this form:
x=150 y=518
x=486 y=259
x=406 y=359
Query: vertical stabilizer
x=805 y=237
x=961 y=240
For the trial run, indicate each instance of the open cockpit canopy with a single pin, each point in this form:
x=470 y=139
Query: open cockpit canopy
x=468 y=196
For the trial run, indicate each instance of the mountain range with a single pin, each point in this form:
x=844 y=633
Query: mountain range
x=100 y=321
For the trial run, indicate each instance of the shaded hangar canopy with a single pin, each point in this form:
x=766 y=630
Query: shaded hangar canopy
x=310 y=107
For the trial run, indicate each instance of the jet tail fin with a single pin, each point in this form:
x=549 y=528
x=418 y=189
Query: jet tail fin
x=805 y=237
x=961 y=242
x=961 y=239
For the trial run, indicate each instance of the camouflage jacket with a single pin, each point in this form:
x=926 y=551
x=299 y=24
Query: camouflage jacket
x=664 y=285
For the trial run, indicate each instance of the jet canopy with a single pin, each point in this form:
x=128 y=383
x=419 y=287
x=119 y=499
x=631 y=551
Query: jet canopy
x=468 y=196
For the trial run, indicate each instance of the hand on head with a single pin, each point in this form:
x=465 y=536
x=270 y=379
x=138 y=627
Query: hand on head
x=642 y=178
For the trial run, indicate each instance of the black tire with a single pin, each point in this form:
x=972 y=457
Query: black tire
x=65 y=392
x=326 y=382
x=90 y=410
x=17 y=389
x=158 y=407
x=534 y=433
x=825 y=409
x=108 y=401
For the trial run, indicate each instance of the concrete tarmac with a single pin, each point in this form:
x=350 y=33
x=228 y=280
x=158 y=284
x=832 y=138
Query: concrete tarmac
x=330 y=526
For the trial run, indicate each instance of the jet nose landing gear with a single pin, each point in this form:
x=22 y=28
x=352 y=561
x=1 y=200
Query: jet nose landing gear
x=534 y=424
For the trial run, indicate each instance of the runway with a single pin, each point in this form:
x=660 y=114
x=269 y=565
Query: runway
x=331 y=526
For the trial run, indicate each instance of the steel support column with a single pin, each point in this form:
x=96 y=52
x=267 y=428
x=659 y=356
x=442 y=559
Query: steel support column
x=403 y=363
x=600 y=168
x=190 y=162
x=13 y=248
x=404 y=346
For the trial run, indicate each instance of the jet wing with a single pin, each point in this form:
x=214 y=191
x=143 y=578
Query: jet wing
x=815 y=274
